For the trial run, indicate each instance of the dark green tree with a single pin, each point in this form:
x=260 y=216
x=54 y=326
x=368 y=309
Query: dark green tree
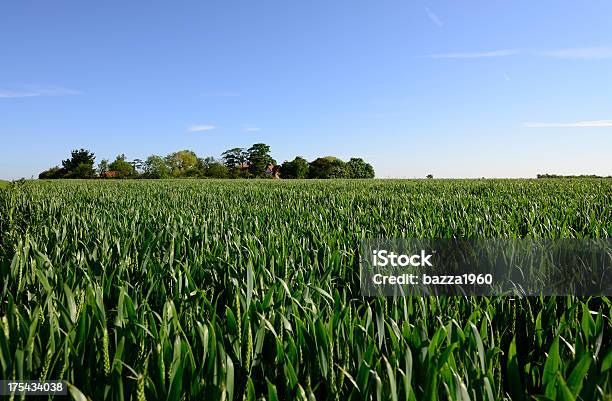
x=297 y=168
x=123 y=168
x=258 y=157
x=80 y=164
x=234 y=157
x=52 y=173
x=201 y=166
x=327 y=167
x=83 y=170
x=358 y=168
x=216 y=169
x=209 y=167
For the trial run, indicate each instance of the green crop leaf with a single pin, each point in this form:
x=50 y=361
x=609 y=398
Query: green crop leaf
x=479 y=346
x=551 y=367
x=461 y=390
x=229 y=378
x=574 y=382
x=272 y=395
x=514 y=377
x=408 y=372
x=249 y=281
x=563 y=391
x=606 y=363
x=392 y=381
x=76 y=394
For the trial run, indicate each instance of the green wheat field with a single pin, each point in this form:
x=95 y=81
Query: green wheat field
x=249 y=290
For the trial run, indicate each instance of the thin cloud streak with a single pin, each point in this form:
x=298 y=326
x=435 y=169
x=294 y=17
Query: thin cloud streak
x=434 y=18
x=584 y=53
x=200 y=128
x=486 y=54
x=35 y=91
x=250 y=129
x=581 y=53
x=579 y=124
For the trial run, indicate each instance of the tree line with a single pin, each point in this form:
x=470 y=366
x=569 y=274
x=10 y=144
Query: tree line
x=549 y=176
x=254 y=162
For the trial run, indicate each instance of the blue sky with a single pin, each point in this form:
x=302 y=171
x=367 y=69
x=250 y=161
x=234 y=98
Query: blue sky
x=455 y=89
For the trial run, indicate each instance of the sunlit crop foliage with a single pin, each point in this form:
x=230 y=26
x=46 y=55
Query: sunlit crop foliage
x=248 y=290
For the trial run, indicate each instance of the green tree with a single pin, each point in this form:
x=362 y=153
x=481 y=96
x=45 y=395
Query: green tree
x=123 y=168
x=328 y=167
x=235 y=157
x=358 y=168
x=182 y=163
x=83 y=170
x=235 y=160
x=80 y=164
x=52 y=173
x=211 y=168
x=201 y=166
x=156 y=167
x=103 y=166
x=259 y=159
x=297 y=168
x=217 y=170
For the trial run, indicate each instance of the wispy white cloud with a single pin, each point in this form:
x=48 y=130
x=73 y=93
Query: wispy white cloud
x=222 y=94
x=586 y=53
x=251 y=129
x=485 y=54
x=578 y=124
x=17 y=91
x=200 y=128
x=433 y=17
x=506 y=77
